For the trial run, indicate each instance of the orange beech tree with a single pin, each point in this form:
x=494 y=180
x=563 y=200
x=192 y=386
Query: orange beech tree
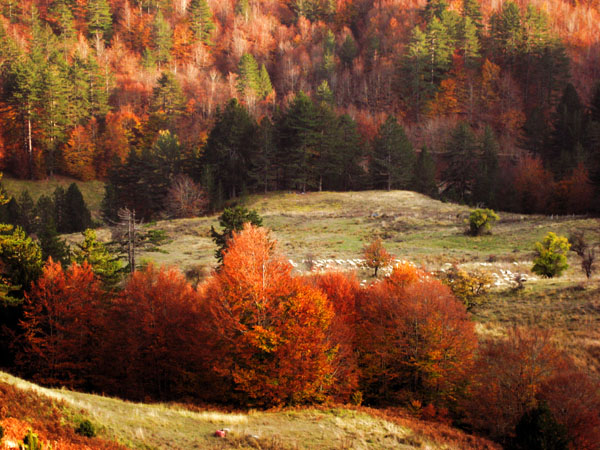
x=342 y=289
x=415 y=341
x=62 y=315
x=154 y=347
x=269 y=329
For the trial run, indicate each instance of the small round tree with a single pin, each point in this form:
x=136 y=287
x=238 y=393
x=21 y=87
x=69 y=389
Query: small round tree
x=376 y=256
x=480 y=221
x=551 y=256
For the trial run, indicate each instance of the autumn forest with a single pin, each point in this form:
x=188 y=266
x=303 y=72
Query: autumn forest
x=185 y=108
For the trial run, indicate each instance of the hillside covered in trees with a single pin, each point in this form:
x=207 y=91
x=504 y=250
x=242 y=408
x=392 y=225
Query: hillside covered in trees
x=483 y=102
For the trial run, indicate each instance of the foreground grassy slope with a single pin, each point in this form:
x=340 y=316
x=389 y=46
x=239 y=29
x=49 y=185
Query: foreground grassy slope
x=175 y=427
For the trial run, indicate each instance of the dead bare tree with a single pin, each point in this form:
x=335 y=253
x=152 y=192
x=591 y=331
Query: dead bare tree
x=126 y=233
x=585 y=251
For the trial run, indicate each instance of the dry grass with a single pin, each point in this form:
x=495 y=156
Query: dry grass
x=175 y=427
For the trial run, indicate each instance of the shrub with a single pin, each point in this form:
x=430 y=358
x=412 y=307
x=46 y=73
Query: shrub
x=86 y=428
x=467 y=287
x=1 y=432
x=480 y=221
x=551 y=259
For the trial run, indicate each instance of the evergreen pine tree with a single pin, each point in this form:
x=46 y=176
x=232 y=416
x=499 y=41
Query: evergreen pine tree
x=26 y=219
x=472 y=10
x=298 y=150
x=77 y=214
x=461 y=170
x=439 y=51
x=350 y=151
x=348 y=51
x=106 y=266
x=393 y=157
x=45 y=213
x=424 y=174
x=229 y=149
x=264 y=85
x=60 y=210
x=166 y=106
x=539 y=430
x=163 y=39
x=434 y=9
x=324 y=94
x=248 y=74
x=469 y=43
x=412 y=80
x=264 y=172
x=99 y=19
x=486 y=181
x=328 y=64
x=53 y=246
x=535 y=132
x=201 y=21
x=568 y=134
x=507 y=33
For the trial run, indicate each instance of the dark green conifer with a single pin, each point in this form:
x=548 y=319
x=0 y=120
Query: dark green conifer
x=393 y=157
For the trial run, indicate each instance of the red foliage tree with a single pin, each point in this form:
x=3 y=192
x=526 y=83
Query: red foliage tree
x=509 y=377
x=62 y=314
x=575 y=193
x=155 y=348
x=574 y=399
x=376 y=256
x=534 y=185
x=415 y=339
x=270 y=330
x=342 y=289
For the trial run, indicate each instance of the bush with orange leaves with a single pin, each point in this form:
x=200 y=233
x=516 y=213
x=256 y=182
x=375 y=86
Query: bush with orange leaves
x=415 y=340
x=269 y=329
x=514 y=375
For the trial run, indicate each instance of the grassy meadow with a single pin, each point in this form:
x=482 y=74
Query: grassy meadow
x=162 y=426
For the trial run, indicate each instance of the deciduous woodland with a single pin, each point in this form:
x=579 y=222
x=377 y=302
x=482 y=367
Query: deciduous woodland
x=482 y=102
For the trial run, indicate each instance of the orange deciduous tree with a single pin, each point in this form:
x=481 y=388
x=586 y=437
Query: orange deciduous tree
x=269 y=329
x=415 y=339
x=341 y=290
x=79 y=152
x=534 y=185
x=156 y=346
x=509 y=377
x=376 y=255
x=62 y=314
